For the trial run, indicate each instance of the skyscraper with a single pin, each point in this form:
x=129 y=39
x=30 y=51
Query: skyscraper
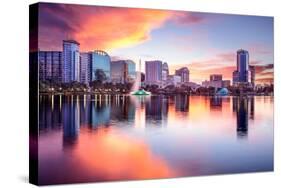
x=100 y=62
x=131 y=71
x=252 y=75
x=242 y=74
x=243 y=65
x=85 y=68
x=165 y=71
x=183 y=73
x=70 y=65
x=50 y=64
x=119 y=71
x=153 y=72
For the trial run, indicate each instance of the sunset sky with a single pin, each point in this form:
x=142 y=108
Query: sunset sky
x=205 y=43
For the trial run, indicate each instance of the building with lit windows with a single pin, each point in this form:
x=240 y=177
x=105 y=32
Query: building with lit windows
x=119 y=71
x=100 y=61
x=50 y=66
x=183 y=73
x=85 y=68
x=71 y=58
x=153 y=72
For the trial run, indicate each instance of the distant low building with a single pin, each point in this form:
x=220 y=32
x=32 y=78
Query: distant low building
x=216 y=77
x=225 y=83
x=216 y=84
x=174 y=80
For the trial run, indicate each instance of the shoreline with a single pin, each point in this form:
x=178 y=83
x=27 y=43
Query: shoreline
x=153 y=94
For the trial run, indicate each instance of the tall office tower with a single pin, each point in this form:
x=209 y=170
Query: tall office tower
x=153 y=72
x=243 y=65
x=183 y=73
x=119 y=71
x=235 y=77
x=215 y=77
x=50 y=64
x=165 y=71
x=70 y=66
x=131 y=71
x=85 y=68
x=253 y=74
x=100 y=63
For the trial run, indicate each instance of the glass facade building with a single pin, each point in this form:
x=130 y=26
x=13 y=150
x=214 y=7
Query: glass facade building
x=50 y=66
x=70 y=66
x=165 y=71
x=243 y=65
x=119 y=71
x=153 y=72
x=100 y=60
x=183 y=73
x=85 y=68
x=131 y=71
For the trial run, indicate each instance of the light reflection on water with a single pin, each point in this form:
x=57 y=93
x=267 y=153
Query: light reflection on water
x=101 y=137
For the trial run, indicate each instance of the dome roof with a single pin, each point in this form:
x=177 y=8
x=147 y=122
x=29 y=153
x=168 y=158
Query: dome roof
x=223 y=91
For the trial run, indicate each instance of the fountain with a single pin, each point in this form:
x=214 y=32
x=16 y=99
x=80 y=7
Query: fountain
x=136 y=89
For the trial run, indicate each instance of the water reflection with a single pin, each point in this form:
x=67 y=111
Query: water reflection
x=118 y=137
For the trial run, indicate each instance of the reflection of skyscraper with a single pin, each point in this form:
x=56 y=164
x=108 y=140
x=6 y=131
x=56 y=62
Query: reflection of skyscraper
x=85 y=109
x=100 y=62
x=242 y=117
x=215 y=102
x=70 y=65
x=100 y=112
x=49 y=112
x=70 y=120
x=252 y=107
x=182 y=103
x=153 y=108
x=122 y=109
x=153 y=72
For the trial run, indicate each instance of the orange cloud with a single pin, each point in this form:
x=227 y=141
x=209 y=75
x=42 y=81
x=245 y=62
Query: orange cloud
x=115 y=28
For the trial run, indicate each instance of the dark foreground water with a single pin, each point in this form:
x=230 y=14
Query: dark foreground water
x=100 y=138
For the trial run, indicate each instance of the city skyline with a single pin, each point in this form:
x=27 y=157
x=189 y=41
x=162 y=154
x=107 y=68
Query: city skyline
x=203 y=42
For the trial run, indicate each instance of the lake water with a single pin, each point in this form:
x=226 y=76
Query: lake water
x=104 y=138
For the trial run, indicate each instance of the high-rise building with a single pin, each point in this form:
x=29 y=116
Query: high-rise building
x=100 y=63
x=252 y=75
x=165 y=71
x=131 y=71
x=153 y=72
x=215 y=77
x=183 y=73
x=235 y=77
x=243 y=65
x=119 y=71
x=50 y=66
x=70 y=65
x=85 y=68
